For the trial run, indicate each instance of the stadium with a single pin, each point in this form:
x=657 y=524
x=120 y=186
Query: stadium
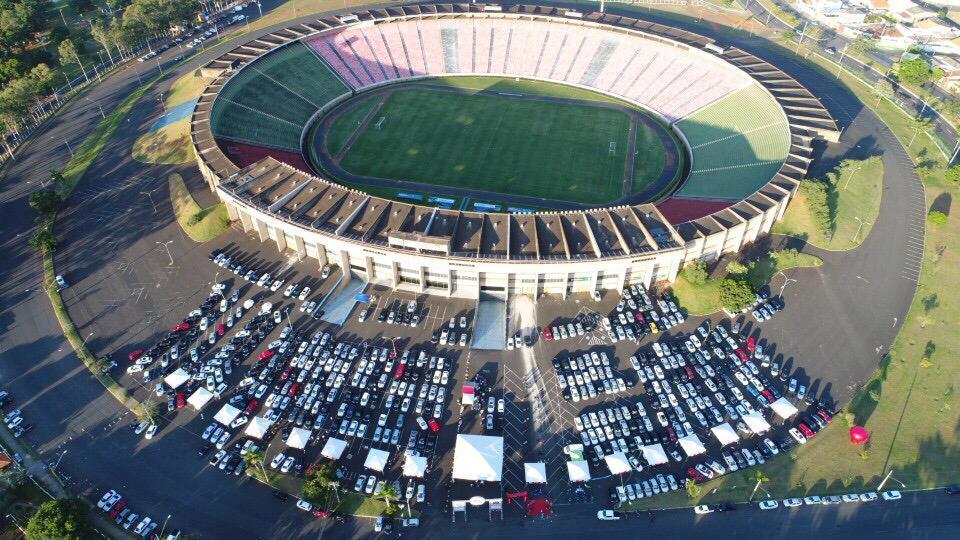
x=478 y=149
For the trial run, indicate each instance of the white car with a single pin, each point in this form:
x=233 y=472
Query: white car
x=891 y=495
x=277 y=460
x=151 y=431
x=868 y=497
x=607 y=515
x=109 y=499
x=769 y=505
x=304 y=505
x=702 y=509
x=791 y=503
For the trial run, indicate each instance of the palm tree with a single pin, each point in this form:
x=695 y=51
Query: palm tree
x=760 y=478
x=919 y=123
x=389 y=494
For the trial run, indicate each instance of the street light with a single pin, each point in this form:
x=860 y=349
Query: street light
x=162 y=529
x=59 y=458
x=64 y=142
x=166 y=245
x=98 y=106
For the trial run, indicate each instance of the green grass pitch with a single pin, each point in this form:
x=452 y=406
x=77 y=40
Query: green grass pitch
x=563 y=151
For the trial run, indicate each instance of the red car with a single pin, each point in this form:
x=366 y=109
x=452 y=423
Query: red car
x=252 y=406
x=181 y=327
x=640 y=318
x=751 y=344
x=181 y=401
x=743 y=356
x=265 y=354
x=434 y=426
x=547 y=334
x=399 y=372
x=321 y=513
x=825 y=415
x=690 y=373
x=293 y=389
x=117 y=508
x=221 y=329
x=768 y=395
x=695 y=475
x=807 y=432
x=136 y=353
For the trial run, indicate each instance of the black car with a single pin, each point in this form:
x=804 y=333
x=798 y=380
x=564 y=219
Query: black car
x=952 y=490
x=204 y=450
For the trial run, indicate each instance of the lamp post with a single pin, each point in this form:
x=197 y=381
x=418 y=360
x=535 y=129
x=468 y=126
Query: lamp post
x=166 y=245
x=57 y=464
x=164 y=528
x=66 y=143
x=98 y=106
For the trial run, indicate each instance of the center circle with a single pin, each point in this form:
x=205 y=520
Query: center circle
x=495 y=144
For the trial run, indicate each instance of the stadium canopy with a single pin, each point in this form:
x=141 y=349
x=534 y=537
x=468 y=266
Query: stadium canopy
x=692 y=446
x=654 y=454
x=177 y=378
x=579 y=471
x=334 y=448
x=298 y=438
x=376 y=460
x=535 y=473
x=228 y=413
x=415 y=466
x=199 y=398
x=725 y=434
x=258 y=427
x=783 y=408
x=478 y=457
x=756 y=423
x=469 y=394
x=617 y=463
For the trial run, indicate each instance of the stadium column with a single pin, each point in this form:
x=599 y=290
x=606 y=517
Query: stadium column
x=622 y=280
x=322 y=255
x=368 y=263
x=423 y=278
x=262 y=230
x=232 y=212
x=345 y=264
x=594 y=279
x=281 y=239
x=245 y=221
x=301 y=247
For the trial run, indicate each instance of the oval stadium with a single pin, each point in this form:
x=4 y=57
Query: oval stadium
x=473 y=149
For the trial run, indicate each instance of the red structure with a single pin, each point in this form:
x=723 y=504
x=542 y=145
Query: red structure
x=859 y=434
x=540 y=507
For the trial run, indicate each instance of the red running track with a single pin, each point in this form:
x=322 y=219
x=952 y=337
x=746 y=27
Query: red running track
x=679 y=211
x=243 y=154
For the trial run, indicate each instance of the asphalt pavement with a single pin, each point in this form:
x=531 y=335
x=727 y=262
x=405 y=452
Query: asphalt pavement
x=850 y=309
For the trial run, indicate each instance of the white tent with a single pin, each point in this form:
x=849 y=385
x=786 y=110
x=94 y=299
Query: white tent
x=725 y=434
x=334 y=448
x=258 y=427
x=228 y=413
x=415 y=466
x=199 y=398
x=579 y=471
x=654 y=454
x=756 y=423
x=298 y=438
x=535 y=473
x=783 y=408
x=478 y=457
x=377 y=460
x=177 y=378
x=692 y=446
x=617 y=463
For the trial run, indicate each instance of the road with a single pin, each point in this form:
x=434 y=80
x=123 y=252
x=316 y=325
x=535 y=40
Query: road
x=74 y=413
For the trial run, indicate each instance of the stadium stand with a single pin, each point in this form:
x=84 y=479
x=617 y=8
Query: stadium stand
x=738 y=144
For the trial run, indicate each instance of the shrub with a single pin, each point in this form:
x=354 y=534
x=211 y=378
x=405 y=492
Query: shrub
x=65 y=519
x=736 y=267
x=953 y=174
x=817 y=193
x=735 y=294
x=937 y=218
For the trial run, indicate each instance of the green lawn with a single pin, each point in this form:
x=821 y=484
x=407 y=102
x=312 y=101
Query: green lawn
x=167 y=145
x=347 y=125
x=200 y=224
x=524 y=86
x=188 y=87
x=496 y=143
x=858 y=193
x=650 y=158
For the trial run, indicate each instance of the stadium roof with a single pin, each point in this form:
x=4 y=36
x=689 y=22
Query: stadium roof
x=377 y=459
x=298 y=438
x=578 y=471
x=228 y=413
x=199 y=398
x=783 y=408
x=258 y=427
x=333 y=448
x=692 y=446
x=478 y=457
x=725 y=434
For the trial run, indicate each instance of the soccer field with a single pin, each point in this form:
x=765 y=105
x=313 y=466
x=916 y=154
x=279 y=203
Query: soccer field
x=505 y=144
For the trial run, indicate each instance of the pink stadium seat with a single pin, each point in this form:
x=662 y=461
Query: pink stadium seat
x=482 y=48
x=499 y=51
x=551 y=52
x=582 y=59
x=323 y=47
x=618 y=63
x=411 y=39
x=531 y=48
x=465 y=45
x=391 y=36
x=365 y=55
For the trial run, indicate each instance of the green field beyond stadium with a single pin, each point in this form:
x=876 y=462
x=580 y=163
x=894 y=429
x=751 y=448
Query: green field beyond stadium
x=501 y=136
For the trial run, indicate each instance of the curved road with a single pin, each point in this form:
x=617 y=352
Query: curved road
x=110 y=248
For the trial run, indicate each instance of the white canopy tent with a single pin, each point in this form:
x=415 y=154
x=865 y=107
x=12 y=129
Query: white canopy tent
x=199 y=398
x=579 y=471
x=617 y=463
x=692 y=446
x=377 y=460
x=783 y=408
x=334 y=448
x=725 y=434
x=535 y=473
x=177 y=378
x=756 y=423
x=228 y=413
x=654 y=454
x=415 y=466
x=478 y=457
x=298 y=438
x=258 y=427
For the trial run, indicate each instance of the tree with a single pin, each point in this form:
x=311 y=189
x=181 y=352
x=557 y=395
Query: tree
x=64 y=519
x=953 y=174
x=81 y=6
x=736 y=267
x=18 y=20
x=937 y=218
x=148 y=411
x=43 y=239
x=389 y=494
x=45 y=202
x=107 y=34
x=320 y=480
x=693 y=489
x=864 y=44
x=913 y=71
x=919 y=123
x=57 y=178
x=817 y=195
x=9 y=69
x=696 y=272
x=736 y=294
x=883 y=89
x=255 y=460
x=69 y=55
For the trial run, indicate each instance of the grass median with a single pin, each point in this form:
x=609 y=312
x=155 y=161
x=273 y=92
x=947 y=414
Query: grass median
x=200 y=224
x=168 y=145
